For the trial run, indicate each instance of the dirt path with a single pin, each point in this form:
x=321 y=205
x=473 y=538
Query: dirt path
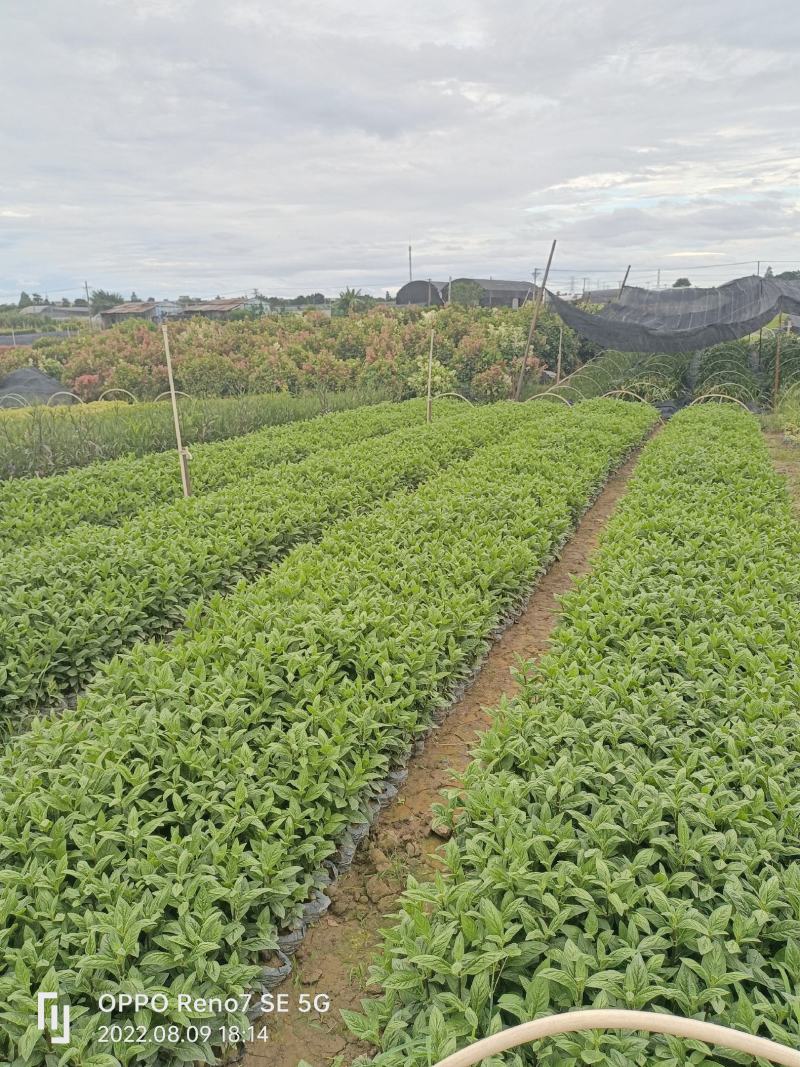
x=786 y=460
x=334 y=957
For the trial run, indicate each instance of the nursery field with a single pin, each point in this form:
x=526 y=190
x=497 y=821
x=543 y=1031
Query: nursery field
x=177 y=826
x=628 y=834
x=38 y=440
x=206 y=703
x=108 y=493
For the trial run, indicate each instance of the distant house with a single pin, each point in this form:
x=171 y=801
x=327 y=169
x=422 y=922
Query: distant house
x=157 y=311
x=494 y=292
x=52 y=311
x=223 y=309
x=32 y=386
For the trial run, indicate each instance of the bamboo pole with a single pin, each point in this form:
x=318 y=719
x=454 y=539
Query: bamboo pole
x=534 y=319
x=183 y=453
x=558 y=364
x=777 y=380
x=429 y=407
x=624 y=281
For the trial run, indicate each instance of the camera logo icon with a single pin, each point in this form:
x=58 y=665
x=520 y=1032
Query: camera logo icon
x=58 y=1024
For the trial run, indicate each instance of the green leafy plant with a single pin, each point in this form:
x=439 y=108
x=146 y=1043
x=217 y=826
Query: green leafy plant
x=628 y=834
x=108 y=493
x=163 y=832
x=69 y=603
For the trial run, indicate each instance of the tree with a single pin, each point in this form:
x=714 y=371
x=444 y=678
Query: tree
x=102 y=300
x=24 y=300
x=348 y=299
x=466 y=293
x=681 y=283
x=769 y=273
x=789 y=276
x=79 y=302
x=37 y=298
x=64 y=302
x=133 y=297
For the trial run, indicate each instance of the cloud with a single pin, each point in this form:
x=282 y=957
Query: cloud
x=186 y=146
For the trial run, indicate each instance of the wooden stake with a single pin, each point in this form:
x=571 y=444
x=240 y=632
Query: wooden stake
x=183 y=453
x=534 y=319
x=624 y=281
x=429 y=413
x=776 y=383
x=558 y=364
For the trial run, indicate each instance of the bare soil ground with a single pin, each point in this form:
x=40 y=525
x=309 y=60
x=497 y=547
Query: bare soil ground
x=337 y=951
x=786 y=460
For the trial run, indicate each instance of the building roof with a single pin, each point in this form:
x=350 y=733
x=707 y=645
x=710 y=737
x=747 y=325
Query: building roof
x=52 y=309
x=219 y=305
x=130 y=307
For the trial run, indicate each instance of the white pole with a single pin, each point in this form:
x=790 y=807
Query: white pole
x=429 y=414
x=183 y=453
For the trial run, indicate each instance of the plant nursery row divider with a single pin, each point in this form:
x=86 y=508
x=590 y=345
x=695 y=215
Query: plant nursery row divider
x=183 y=453
x=534 y=319
x=429 y=406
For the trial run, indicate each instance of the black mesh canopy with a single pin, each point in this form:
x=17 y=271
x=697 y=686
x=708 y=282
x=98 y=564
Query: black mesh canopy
x=683 y=319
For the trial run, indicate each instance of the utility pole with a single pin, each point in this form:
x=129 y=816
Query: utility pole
x=758 y=268
x=535 y=276
x=88 y=301
x=410 y=275
x=534 y=319
x=658 y=279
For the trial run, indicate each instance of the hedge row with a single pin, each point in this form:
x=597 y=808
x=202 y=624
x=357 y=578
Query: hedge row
x=629 y=834
x=37 y=441
x=158 y=836
x=107 y=493
x=72 y=602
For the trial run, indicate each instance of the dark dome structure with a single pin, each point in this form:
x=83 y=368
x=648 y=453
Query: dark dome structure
x=33 y=386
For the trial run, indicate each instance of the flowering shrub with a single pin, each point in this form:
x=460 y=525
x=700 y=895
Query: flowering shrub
x=494 y=383
x=381 y=348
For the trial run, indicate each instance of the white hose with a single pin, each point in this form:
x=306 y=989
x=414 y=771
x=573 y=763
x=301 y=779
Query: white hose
x=620 y=1019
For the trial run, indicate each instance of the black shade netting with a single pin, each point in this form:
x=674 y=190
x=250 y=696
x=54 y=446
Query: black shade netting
x=682 y=319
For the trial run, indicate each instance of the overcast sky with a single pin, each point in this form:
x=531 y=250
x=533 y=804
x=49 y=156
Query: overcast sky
x=194 y=146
